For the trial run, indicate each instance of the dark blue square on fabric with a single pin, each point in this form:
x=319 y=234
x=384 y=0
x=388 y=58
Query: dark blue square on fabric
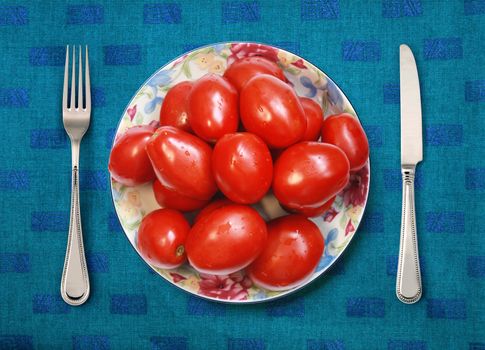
x=49 y=304
x=443 y=135
x=47 y=56
x=85 y=14
x=49 y=221
x=392 y=93
x=117 y=55
x=312 y=10
x=129 y=304
x=12 y=15
x=443 y=48
x=238 y=11
x=169 y=343
x=167 y=12
x=14 y=180
x=366 y=307
x=91 y=342
x=17 y=342
x=294 y=307
x=446 y=308
x=14 y=262
x=475 y=90
x=365 y=51
x=318 y=344
x=200 y=307
x=445 y=221
x=245 y=344
x=48 y=138
x=14 y=97
x=401 y=8
x=406 y=345
x=474 y=7
x=475 y=178
x=476 y=266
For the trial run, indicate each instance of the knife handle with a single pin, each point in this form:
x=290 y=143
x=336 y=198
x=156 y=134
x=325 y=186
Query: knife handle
x=408 y=284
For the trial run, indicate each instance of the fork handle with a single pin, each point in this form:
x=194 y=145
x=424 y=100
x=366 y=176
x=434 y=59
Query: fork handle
x=408 y=284
x=75 y=280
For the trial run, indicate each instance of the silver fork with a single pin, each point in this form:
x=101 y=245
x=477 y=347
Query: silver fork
x=75 y=116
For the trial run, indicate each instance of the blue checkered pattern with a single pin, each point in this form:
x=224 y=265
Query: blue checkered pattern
x=353 y=306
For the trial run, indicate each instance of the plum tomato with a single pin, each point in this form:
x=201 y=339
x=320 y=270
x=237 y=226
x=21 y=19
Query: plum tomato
x=168 y=198
x=345 y=132
x=128 y=161
x=314 y=119
x=182 y=162
x=291 y=254
x=227 y=240
x=161 y=238
x=271 y=109
x=308 y=174
x=240 y=71
x=242 y=167
x=213 y=107
x=174 y=107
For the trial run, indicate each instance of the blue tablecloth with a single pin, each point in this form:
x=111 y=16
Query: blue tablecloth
x=354 y=306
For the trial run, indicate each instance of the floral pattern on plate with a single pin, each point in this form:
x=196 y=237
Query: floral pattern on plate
x=338 y=225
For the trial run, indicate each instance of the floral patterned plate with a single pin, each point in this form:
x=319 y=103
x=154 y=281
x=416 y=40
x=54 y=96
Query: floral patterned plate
x=338 y=226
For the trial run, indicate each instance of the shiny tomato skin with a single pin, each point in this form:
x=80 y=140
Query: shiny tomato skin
x=213 y=107
x=271 y=109
x=128 y=162
x=345 y=132
x=227 y=240
x=308 y=174
x=174 y=111
x=168 y=198
x=314 y=119
x=291 y=254
x=216 y=204
x=182 y=162
x=314 y=212
x=240 y=71
x=242 y=167
x=161 y=238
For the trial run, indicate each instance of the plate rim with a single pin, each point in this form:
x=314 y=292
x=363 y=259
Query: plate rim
x=283 y=294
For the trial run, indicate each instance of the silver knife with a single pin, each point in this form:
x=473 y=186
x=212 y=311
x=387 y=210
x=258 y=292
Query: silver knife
x=408 y=284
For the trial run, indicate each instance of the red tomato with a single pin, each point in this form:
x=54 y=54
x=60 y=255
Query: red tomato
x=270 y=109
x=168 y=198
x=161 y=238
x=292 y=252
x=128 y=161
x=174 y=110
x=226 y=240
x=309 y=173
x=218 y=203
x=244 y=69
x=242 y=167
x=182 y=162
x=213 y=107
x=314 y=119
x=314 y=212
x=345 y=131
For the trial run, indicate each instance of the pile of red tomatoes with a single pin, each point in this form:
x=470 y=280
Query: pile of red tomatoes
x=223 y=143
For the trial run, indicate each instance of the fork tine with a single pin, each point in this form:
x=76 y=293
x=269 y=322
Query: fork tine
x=66 y=78
x=73 y=80
x=80 y=82
x=88 y=82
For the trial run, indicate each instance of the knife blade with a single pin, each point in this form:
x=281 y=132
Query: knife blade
x=408 y=281
x=411 y=119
